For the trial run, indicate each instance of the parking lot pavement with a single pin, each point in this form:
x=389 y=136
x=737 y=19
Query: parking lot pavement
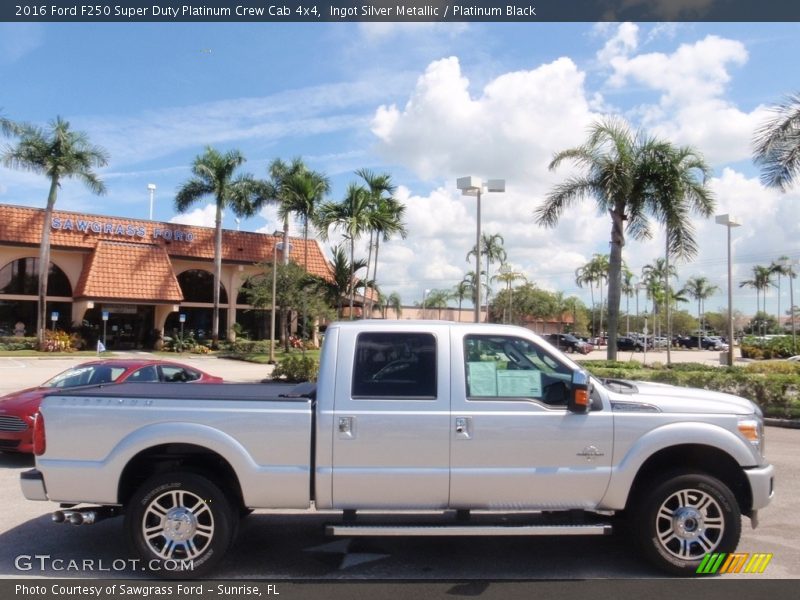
x=21 y=373
x=707 y=357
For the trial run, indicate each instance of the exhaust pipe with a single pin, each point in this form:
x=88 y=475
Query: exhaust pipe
x=84 y=516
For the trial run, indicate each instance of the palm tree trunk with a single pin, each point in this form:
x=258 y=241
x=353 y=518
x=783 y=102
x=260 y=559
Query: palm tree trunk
x=44 y=262
x=375 y=268
x=669 y=297
x=367 y=314
x=352 y=274
x=217 y=274
x=614 y=279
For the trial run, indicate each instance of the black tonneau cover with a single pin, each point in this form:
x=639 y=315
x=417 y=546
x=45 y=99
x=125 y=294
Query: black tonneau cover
x=282 y=392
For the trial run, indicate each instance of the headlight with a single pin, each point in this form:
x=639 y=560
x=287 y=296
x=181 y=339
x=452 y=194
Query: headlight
x=752 y=429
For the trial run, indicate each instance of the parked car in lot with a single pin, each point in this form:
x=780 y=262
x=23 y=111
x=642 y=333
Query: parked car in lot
x=631 y=344
x=18 y=408
x=705 y=342
x=568 y=343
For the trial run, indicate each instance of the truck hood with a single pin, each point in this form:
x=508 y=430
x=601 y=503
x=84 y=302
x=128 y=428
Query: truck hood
x=675 y=399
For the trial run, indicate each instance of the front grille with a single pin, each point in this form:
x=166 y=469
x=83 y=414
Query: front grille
x=8 y=444
x=12 y=424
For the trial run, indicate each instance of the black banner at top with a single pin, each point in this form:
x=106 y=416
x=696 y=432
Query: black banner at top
x=396 y=10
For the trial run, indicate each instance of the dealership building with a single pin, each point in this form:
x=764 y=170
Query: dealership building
x=144 y=276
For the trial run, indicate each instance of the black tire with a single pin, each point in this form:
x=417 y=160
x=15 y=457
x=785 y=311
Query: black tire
x=679 y=521
x=190 y=522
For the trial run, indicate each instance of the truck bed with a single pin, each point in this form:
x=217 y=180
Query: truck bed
x=206 y=391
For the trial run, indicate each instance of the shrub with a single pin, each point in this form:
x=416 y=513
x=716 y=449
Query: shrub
x=248 y=346
x=296 y=368
x=775 y=386
x=56 y=341
x=18 y=343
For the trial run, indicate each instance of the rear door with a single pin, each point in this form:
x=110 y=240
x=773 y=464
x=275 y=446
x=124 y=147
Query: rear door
x=391 y=437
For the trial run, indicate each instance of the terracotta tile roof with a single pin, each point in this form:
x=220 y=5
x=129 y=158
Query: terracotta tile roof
x=125 y=271
x=23 y=225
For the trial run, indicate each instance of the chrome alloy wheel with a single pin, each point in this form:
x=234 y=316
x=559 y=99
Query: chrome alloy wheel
x=178 y=525
x=690 y=524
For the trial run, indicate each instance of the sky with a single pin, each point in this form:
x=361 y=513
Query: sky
x=426 y=103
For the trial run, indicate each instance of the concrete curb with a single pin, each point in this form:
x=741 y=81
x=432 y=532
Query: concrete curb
x=785 y=423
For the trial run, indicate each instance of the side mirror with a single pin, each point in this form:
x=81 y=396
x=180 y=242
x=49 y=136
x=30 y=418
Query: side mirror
x=580 y=401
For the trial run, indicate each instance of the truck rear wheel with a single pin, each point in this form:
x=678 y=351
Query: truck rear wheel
x=180 y=524
x=684 y=518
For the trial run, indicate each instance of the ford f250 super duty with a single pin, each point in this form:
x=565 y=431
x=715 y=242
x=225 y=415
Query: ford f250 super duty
x=410 y=416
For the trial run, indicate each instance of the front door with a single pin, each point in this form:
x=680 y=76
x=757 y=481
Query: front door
x=391 y=438
x=515 y=445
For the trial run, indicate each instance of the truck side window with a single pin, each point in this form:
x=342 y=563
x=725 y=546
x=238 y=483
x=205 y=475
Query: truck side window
x=504 y=367
x=395 y=366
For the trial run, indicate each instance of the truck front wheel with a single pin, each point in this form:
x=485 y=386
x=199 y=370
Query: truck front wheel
x=180 y=524
x=684 y=518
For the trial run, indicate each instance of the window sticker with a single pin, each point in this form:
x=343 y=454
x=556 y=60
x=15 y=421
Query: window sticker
x=482 y=378
x=527 y=384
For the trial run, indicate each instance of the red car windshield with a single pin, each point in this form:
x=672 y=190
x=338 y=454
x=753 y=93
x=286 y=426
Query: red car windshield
x=85 y=375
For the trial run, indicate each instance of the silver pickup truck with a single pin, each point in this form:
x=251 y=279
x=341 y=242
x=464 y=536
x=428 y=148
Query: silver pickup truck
x=472 y=422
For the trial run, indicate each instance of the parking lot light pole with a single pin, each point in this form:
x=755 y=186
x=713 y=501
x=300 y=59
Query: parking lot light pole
x=791 y=264
x=729 y=222
x=473 y=186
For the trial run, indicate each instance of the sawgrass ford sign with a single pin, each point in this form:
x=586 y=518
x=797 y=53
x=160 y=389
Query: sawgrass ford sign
x=117 y=229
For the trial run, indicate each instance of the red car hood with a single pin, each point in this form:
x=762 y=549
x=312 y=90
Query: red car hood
x=24 y=402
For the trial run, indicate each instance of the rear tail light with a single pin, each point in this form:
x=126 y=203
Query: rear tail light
x=38 y=434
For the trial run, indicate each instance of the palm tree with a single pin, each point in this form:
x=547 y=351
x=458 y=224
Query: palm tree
x=302 y=193
x=492 y=250
x=9 y=127
x=585 y=276
x=656 y=276
x=354 y=217
x=593 y=273
x=213 y=175
x=630 y=177
x=394 y=302
x=463 y=289
x=781 y=267
x=390 y=210
x=275 y=192
x=437 y=299
x=508 y=276
x=777 y=144
x=761 y=282
x=629 y=289
x=701 y=290
x=599 y=266
x=58 y=153
x=343 y=279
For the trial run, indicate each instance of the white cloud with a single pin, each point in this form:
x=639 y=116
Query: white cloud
x=510 y=129
x=204 y=216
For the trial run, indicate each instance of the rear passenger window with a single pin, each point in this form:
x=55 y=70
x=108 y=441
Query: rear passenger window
x=395 y=366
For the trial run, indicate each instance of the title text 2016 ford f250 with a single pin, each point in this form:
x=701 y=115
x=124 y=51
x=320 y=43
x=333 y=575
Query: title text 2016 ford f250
x=411 y=416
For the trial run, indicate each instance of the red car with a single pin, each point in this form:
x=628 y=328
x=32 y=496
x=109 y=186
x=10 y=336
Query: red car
x=18 y=409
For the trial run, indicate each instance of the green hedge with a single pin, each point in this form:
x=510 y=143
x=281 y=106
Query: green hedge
x=18 y=343
x=248 y=346
x=775 y=387
x=296 y=368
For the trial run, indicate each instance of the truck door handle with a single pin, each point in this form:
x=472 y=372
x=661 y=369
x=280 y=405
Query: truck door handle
x=463 y=427
x=346 y=427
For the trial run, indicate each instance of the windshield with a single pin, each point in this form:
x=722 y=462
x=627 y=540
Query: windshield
x=85 y=375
